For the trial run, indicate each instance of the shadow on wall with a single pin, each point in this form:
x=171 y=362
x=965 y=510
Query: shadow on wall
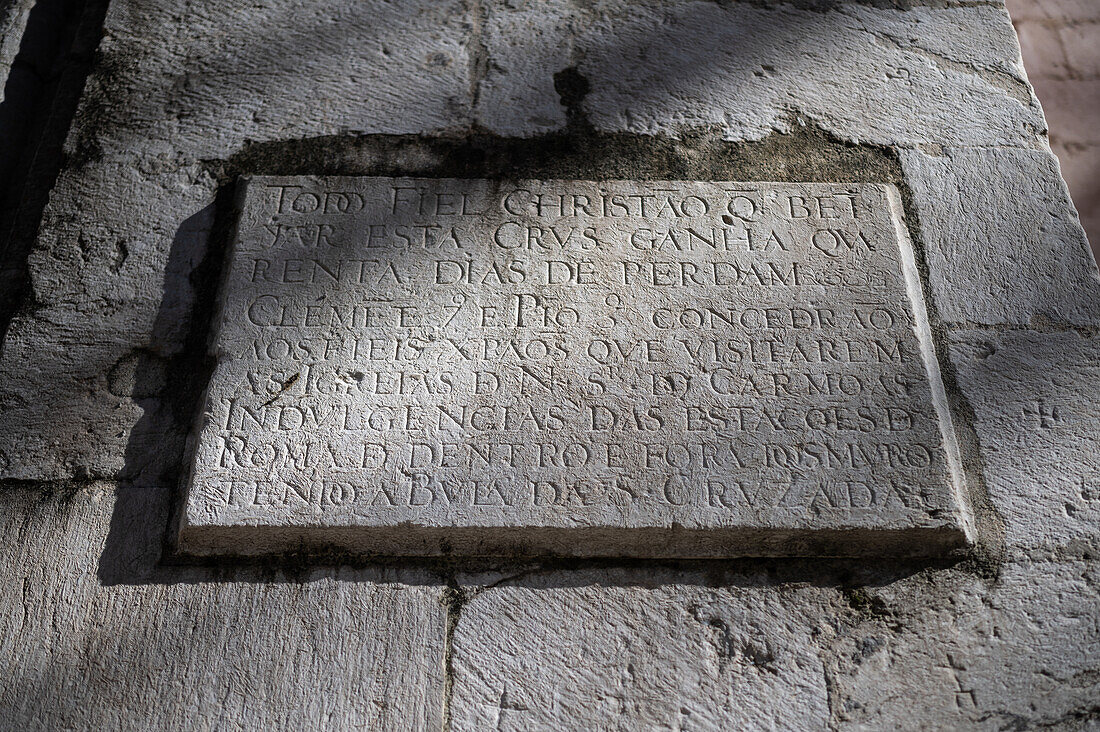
x=140 y=547
x=167 y=381
x=41 y=94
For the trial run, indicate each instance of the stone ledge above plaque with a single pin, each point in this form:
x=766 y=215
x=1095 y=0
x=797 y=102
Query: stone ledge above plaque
x=619 y=368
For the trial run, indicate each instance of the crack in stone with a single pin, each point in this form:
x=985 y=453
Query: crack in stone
x=1036 y=326
x=1014 y=86
x=479 y=59
x=453 y=599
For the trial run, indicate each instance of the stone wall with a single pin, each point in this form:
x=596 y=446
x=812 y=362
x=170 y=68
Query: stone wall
x=1061 y=48
x=104 y=361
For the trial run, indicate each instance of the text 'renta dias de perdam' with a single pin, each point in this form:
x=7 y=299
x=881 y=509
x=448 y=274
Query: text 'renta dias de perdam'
x=426 y=366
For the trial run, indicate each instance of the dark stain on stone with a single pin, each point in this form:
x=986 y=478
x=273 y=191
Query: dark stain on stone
x=868 y=605
x=454 y=599
x=806 y=153
x=572 y=87
x=867 y=647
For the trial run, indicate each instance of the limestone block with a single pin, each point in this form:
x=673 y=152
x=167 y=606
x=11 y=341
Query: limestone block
x=101 y=632
x=111 y=280
x=1016 y=653
x=517 y=94
x=583 y=655
x=208 y=85
x=49 y=412
x=172 y=89
x=655 y=68
x=1036 y=417
x=332 y=649
x=129 y=219
x=663 y=369
x=939 y=649
x=1003 y=242
x=947 y=37
x=226 y=72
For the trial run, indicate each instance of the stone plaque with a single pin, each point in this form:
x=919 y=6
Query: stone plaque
x=470 y=367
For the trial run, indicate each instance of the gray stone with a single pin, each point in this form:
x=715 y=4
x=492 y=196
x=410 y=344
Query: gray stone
x=576 y=367
x=1017 y=653
x=235 y=75
x=566 y=657
x=335 y=648
x=746 y=70
x=1011 y=253
x=662 y=649
x=13 y=21
x=106 y=633
x=167 y=100
x=106 y=290
x=1038 y=426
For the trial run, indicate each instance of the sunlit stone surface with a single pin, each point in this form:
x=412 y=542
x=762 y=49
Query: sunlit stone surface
x=660 y=368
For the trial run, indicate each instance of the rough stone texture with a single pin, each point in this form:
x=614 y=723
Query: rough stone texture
x=661 y=67
x=46 y=50
x=236 y=76
x=679 y=650
x=670 y=657
x=191 y=648
x=127 y=272
x=1017 y=245
x=162 y=100
x=1060 y=40
x=410 y=365
x=1015 y=654
x=13 y=21
x=1038 y=430
x=100 y=370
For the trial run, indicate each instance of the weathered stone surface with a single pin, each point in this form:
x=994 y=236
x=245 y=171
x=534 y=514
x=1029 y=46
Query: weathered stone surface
x=662 y=649
x=13 y=21
x=1010 y=253
x=335 y=649
x=111 y=281
x=664 y=368
x=235 y=74
x=177 y=91
x=167 y=96
x=1017 y=653
x=1038 y=424
x=746 y=70
x=654 y=67
x=565 y=657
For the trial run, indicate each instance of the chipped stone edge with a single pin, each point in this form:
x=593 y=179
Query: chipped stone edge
x=963 y=513
x=182 y=528
x=408 y=539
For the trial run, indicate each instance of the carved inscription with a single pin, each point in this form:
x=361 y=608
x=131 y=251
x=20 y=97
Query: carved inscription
x=466 y=354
